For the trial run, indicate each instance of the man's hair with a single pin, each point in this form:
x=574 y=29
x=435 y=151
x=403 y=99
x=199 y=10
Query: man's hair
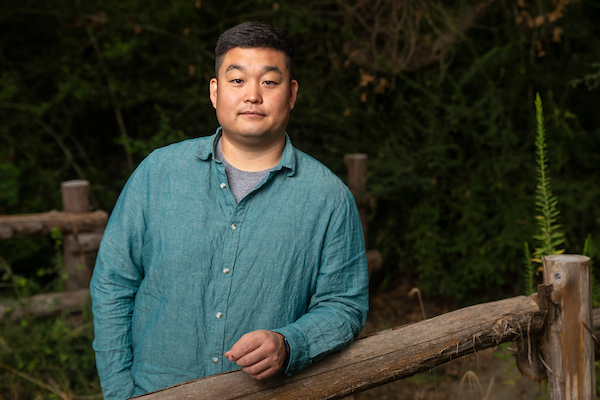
x=252 y=35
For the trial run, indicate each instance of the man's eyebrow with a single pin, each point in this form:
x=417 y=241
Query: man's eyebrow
x=234 y=66
x=266 y=68
x=274 y=68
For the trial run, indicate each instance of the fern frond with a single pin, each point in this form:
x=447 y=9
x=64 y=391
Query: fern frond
x=549 y=235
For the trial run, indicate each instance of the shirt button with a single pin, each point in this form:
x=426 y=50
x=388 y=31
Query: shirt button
x=215 y=360
x=219 y=315
x=233 y=226
x=223 y=185
x=226 y=270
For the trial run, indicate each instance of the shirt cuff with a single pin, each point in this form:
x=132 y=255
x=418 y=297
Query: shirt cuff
x=298 y=357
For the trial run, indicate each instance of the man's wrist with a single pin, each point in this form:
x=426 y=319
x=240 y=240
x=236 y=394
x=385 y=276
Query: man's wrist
x=287 y=353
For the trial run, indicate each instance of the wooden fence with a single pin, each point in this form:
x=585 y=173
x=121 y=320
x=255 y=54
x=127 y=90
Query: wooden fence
x=82 y=231
x=555 y=329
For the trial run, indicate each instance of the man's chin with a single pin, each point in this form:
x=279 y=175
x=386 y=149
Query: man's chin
x=255 y=134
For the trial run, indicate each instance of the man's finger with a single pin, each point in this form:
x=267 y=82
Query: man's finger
x=245 y=345
x=253 y=357
x=257 y=368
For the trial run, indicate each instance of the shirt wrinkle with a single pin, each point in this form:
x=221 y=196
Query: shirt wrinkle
x=193 y=271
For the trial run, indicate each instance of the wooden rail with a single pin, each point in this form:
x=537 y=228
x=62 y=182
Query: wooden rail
x=379 y=358
x=44 y=305
x=21 y=225
x=410 y=349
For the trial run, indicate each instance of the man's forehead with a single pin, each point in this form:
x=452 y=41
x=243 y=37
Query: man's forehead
x=239 y=58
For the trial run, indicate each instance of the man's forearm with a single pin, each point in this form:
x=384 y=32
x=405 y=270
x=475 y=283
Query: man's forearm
x=113 y=291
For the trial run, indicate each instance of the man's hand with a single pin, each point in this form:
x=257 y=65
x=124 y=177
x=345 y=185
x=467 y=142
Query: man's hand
x=261 y=353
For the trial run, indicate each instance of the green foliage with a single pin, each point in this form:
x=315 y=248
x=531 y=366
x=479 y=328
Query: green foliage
x=452 y=176
x=48 y=358
x=550 y=236
x=590 y=250
x=9 y=189
x=529 y=272
x=45 y=358
x=87 y=89
x=31 y=281
x=590 y=80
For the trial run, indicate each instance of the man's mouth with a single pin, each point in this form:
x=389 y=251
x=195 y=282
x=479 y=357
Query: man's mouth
x=252 y=113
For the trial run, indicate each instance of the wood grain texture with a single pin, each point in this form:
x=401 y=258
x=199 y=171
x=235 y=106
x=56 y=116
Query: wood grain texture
x=567 y=343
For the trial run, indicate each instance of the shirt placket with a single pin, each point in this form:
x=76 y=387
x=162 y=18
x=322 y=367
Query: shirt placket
x=218 y=315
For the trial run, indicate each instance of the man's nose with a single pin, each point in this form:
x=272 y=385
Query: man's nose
x=253 y=94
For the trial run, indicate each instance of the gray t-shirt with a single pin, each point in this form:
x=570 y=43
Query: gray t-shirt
x=240 y=182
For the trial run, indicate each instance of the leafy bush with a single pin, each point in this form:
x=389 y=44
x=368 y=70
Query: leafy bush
x=48 y=358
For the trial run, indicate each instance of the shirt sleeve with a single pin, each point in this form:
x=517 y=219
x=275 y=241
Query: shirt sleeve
x=337 y=311
x=117 y=276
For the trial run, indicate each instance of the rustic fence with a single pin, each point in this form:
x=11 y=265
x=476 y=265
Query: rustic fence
x=82 y=231
x=555 y=329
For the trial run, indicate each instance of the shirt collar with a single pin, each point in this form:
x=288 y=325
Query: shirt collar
x=206 y=151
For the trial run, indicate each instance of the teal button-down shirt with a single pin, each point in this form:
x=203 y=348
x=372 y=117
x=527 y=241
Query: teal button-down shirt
x=183 y=271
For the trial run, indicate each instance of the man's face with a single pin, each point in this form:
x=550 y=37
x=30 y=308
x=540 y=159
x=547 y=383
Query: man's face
x=253 y=95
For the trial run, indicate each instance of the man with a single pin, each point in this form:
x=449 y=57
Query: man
x=230 y=251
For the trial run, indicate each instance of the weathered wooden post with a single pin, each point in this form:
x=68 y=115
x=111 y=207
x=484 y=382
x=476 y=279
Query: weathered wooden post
x=567 y=342
x=356 y=165
x=76 y=245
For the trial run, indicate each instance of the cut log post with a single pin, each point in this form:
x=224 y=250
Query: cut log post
x=356 y=165
x=567 y=342
x=380 y=358
x=77 y=262
x=75 y=196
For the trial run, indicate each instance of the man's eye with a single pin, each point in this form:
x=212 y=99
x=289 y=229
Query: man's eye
x=236 y=81
x=270 y=83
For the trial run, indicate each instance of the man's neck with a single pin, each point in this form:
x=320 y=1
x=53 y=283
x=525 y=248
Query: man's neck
x=254 y=157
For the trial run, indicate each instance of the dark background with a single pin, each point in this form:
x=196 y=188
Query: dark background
x=440 y=96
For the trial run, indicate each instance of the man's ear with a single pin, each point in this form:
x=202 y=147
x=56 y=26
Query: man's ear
x=293 y=93
x=212 y=89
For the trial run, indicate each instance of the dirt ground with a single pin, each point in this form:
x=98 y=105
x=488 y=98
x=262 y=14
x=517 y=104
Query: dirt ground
x=490 y=374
